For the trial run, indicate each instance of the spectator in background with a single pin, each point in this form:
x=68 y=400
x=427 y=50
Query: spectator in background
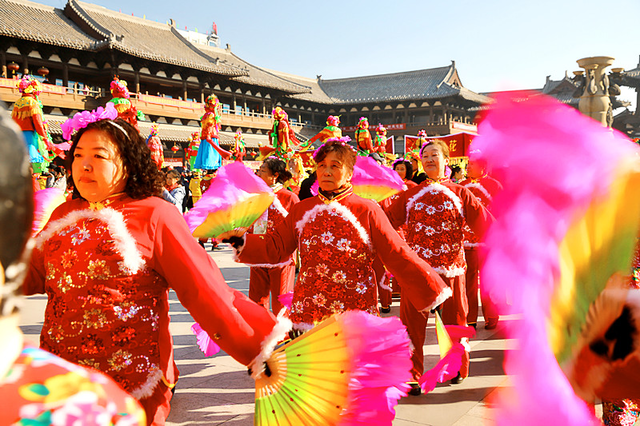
x=185 y=179
x=457 y=173
x=173 y=190
x=418 y=176
x=305 y=186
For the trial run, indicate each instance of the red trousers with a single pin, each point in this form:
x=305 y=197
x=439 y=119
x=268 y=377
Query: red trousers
x=472 y=279
x=454 y=311
x=381 y=278
x=274 y=281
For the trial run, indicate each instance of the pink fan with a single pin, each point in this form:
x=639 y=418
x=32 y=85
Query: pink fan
x=206 y=345
x=46 y=201
x=371 y=180
x=235 y=199
x=566 y=224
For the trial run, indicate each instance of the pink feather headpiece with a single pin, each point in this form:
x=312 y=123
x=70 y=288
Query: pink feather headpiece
x=82 y=119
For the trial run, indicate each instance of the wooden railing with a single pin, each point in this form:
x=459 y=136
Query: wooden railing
x=81 y=99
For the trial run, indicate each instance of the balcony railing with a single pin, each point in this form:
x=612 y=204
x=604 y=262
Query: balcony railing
x=84 y=98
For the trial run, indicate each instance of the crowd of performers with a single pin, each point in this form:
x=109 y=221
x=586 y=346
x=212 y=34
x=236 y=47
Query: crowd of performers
x=108 y=255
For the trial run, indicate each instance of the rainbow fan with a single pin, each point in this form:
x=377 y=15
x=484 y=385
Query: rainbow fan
x=566 y=226
x=235 y=199
x=371 y=180
x=350 y=369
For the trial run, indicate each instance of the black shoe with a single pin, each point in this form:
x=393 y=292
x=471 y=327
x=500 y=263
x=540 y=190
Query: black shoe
x=457 y=380
x=385 y=310
x=415 y=389
x=491 y=324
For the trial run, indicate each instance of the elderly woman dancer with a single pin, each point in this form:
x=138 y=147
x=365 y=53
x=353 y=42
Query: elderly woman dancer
x=435 y=213
x=107 y=258
x=339 y=235
x=275 y=279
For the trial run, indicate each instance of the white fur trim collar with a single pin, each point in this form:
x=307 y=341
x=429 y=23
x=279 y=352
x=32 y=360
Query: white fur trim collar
x=479 y=186
x=125 y=244
x=279 y=207
x=434 y=188
x=342 y=211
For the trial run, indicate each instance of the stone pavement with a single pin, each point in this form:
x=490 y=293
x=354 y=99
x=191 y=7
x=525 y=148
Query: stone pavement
x=218 y=390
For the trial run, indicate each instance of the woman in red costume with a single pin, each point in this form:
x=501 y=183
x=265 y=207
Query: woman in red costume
x=37 y=387
x=404 y=169
x=484 y=187
x=339 y=234
x=106 y=260
x=268 y=278
x=435 y=213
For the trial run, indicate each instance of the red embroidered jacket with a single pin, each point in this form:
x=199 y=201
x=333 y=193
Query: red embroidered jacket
x=338 y=242
x=107 y=275
x=435 y=215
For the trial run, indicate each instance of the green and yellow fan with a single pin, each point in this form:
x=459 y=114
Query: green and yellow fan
x=306 y=381
x=349 y=369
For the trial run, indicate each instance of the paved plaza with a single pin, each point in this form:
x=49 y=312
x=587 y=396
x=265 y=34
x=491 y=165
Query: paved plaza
x=218 y=390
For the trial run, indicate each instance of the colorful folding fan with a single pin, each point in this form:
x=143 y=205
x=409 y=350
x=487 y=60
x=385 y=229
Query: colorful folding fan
x=349 y=369
x=371 y=180
x=452 y=349
x=235 y=199
x=566 y=225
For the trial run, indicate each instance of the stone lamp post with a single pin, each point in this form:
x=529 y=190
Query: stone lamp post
x=595 y=102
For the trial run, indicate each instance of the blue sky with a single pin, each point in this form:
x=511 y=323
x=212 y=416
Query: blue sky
x=497 y=44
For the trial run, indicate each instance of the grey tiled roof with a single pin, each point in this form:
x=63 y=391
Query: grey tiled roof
x=634 y=73
x=433 y=83
x=148 y=39
x=36 y=22
x=564 y=85
x=412 y=85
x=254 y=75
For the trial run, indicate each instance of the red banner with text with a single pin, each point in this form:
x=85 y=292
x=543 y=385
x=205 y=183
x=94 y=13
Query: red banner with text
x=458 y=143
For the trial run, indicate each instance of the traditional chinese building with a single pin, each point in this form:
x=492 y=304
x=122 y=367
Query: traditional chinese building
x=79 y=49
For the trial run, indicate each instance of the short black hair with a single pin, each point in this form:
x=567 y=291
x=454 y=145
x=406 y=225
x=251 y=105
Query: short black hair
x=276 y=165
